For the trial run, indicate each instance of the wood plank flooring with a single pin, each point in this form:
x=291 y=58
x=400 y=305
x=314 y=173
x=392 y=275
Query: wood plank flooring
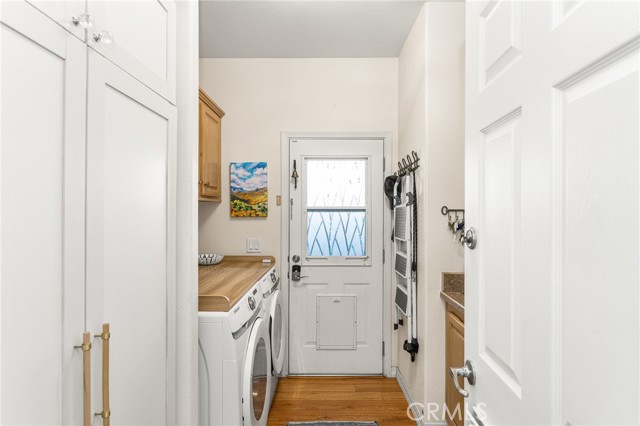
x=307 y=399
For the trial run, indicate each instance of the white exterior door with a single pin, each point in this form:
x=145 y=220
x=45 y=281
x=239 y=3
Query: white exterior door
x=335 y=243
x=131 y=143
x=42 y=125
x=552 y=187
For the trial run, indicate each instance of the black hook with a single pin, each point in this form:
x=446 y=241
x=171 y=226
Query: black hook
x=295 y=175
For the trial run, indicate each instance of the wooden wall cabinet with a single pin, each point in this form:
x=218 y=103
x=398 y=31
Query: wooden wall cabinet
x=210 y=161
x=454 y=358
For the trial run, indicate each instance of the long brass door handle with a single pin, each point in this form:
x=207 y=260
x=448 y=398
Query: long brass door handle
x=106 y=409
x=86 y=378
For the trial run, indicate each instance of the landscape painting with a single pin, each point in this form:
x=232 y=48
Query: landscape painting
x=249 y=189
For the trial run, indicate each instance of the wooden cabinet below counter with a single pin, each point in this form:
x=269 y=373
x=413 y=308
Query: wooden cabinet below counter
x=454 y=358
x=210 y=159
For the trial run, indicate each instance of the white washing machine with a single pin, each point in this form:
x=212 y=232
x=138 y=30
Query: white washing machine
x=234 y=363
x=277 y=332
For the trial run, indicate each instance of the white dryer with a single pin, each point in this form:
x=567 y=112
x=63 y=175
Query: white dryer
x=234 y=363
x=277 y=332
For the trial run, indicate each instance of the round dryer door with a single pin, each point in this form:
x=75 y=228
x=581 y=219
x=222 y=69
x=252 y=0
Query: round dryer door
x=256 y=375
x=277 y=333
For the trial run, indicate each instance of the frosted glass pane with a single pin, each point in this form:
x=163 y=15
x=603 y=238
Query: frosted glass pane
x=336 y=233
x=336 y=183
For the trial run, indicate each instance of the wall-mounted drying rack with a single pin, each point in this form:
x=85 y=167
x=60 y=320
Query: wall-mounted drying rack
x=408 y=164
x=405 y=253
x=455 y=223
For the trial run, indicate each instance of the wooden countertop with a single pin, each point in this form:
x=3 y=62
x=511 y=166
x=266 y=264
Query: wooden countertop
x=221 y=286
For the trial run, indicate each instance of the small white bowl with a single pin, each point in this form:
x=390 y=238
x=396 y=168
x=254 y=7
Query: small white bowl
x=209 y=258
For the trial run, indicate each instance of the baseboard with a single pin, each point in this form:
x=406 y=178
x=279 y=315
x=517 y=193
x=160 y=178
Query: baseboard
x=415 y=408
x=393 y=372
x=407 y=395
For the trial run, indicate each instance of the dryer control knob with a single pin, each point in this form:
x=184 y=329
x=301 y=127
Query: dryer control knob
x=273 y=277
x=252 y=302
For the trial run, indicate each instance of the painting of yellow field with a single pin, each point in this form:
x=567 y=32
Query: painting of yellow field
x=249 y=197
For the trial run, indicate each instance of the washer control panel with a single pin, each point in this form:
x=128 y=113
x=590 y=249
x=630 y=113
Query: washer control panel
x=246 y=307
x=269 y=281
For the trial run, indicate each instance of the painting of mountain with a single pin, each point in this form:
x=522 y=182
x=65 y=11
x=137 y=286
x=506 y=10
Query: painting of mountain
x=249 y=195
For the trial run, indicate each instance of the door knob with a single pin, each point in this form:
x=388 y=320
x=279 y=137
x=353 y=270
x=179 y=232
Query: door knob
x=83 y=20
x=466 y=371
x=470 y=238
x=104 y=37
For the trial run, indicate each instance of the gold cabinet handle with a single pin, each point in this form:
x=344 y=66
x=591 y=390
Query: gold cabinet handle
x=106 y=410
x=86 y=377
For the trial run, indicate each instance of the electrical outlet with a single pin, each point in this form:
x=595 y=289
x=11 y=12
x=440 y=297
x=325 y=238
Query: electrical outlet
x=254 y=245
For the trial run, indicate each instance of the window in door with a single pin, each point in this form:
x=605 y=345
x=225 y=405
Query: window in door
x=337 y=210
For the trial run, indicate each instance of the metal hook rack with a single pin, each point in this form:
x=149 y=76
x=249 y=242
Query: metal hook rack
x=456 y=225
x=408 y=164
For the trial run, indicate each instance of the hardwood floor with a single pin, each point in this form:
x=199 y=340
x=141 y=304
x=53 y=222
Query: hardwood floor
x=339 y=398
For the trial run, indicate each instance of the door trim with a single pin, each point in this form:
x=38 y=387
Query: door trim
x=387 y=139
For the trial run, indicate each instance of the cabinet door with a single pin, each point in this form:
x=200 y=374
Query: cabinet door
x=42 y=103
x=131 y=156
x=454 y=358
x=62 y=12
x=144 y=36
x=210 y=145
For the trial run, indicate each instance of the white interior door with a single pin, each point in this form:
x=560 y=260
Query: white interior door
x=131 y=242
x=42 y=124
x=552 y=187
x=336 y=231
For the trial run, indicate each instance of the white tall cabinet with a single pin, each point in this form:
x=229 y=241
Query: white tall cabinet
x=87 y=211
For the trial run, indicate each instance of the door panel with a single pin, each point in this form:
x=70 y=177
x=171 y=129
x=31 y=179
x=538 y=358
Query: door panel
x=130 y=240
x=500 y=184
x=62 y=12
x=210 y=161
x=42 y=93
x=144 y=36
x=336 y=230
x=601 y=163
x=551 y=156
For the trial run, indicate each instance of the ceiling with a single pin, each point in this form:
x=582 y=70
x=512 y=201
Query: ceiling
x=305 y=28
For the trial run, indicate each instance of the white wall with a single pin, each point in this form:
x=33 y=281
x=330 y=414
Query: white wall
x=431 y=122
x=264 y=97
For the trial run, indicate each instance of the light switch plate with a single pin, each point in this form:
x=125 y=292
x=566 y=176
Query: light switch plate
x=254 y=245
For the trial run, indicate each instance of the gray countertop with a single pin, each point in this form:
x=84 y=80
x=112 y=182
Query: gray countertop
x=453 y=290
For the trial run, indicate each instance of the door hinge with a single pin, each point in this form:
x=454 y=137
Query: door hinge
x=383 y=256
x=382 y=348
x=384 y=163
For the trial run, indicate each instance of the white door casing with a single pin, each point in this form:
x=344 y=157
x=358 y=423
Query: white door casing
x=552 y=187
x=42 y=124
x=131 y=149
x=336 y=309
